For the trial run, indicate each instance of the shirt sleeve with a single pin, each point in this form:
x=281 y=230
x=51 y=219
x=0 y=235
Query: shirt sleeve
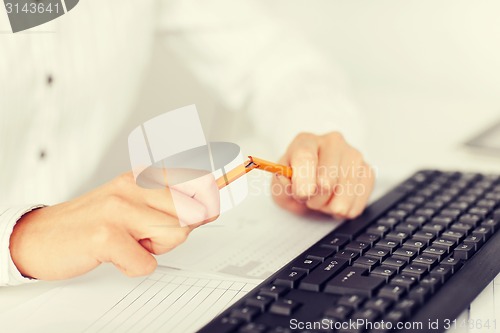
x=9 y=274
x=257 y=63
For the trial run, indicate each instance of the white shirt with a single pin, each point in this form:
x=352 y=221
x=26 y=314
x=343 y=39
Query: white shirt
x=80 y=75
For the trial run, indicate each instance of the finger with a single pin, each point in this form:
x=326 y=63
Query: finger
x=281 y=189
x=204 y=190
x=344 y=195
x=303 y=158
x=130 y=257
x=184 y=209
x=166 y=240
x=157 y=232
x=327 y=176
x=363 y=190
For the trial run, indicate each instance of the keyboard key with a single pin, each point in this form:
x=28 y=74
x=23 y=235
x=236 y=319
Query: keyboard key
x=417 y=270
x=434 y=283
x=486 y=203
x=416 y=244
x=417 y=220
x=289 y=278
x=420 y=293
x=392 y=292
x=426 y=237
x=416 y=199
x=398 y=236
x=253 y=328
x=437 y=251
x=483 y=232
x=475 y=240
x=379 y=304
x=351 y=281
x=479 y=211
x=447 y=243
x=407 y=228
x=406 y=252
x=460 y=226
x=247 y=313
x=389 y=222
x=365 y=315
x=470 y=219
x=397 y=214
x=259 y=301
x=454 y=263
x=407 y=207
x=408 y=306
x=366 y=262
x=340 y=312
x=429 y=261
x=386 y=272
x=445 y=221
x=348 y=255
x=368 y=238
x=395 y=262
x=306 y=265
x=353 y=301
x=317 y=279
x=379 y=230
x=357 y=246
x=493 y=224
x=274 y=291
x=442 y=272
x=434 y=228
x=336 y=242
x=427 y=212
x=454 y=234
x=436 y=205
x=464 y=251
x=394 y=317
x=388 y=244
x=379 y=253
x=450 y=212
x=226 y=325
x=462 y=205
x=319 y=253
x=284 y=307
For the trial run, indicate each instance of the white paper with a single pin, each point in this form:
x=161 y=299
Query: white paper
x=167 y=301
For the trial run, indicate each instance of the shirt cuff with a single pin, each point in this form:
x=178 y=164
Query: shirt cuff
x=9 y=274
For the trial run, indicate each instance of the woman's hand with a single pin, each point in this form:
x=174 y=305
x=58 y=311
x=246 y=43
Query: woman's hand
x=329 y=176
x=119 y=222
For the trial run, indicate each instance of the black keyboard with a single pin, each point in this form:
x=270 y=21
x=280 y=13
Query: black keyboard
x=418 y=255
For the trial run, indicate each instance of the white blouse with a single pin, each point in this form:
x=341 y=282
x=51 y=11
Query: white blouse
x=67 y=87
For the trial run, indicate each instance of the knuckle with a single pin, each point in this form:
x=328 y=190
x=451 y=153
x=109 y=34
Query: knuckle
x=335 y=137
x=304 y=154
x=114 y=203
x=123 y=179
x=304 y=136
